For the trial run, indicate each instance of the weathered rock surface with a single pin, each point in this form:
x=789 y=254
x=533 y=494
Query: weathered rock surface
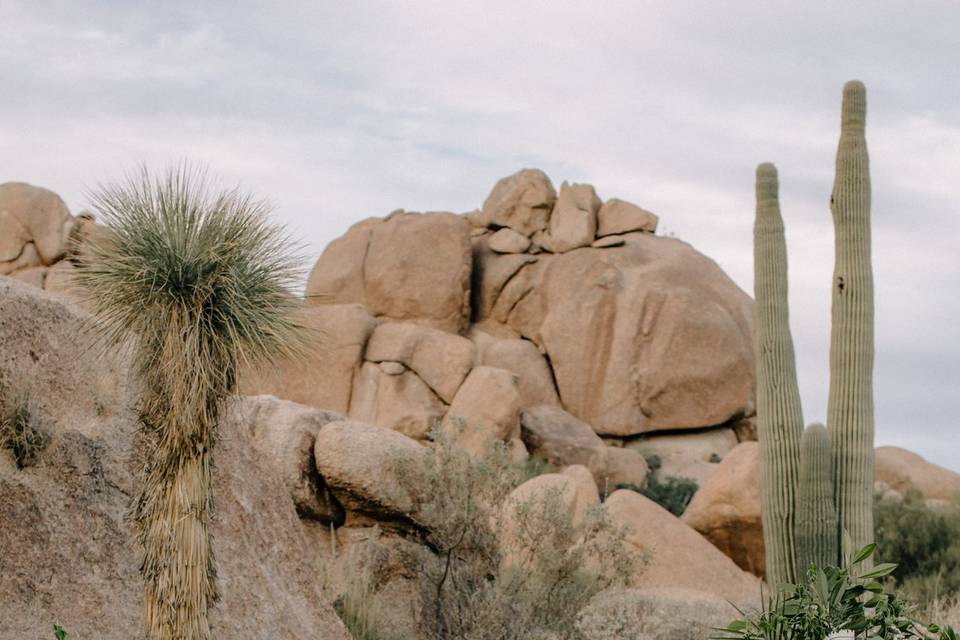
x=551 y=433
x=324 y=377
x=522 y=202
x=901 y=469
x=408 y=266
x=624 y=467
x=284 y=433
x=362 y=465
x=522 y=358
x=507 y=240
x=400 y=401
x=654 y=614
x=677 y=555
x=441 y=359
x=485 y=409
x=618 y=216
x=695 y=455
x=68 y=554
x=32 y=214
x=726 y=508
x=644 y=337
x=573 y=222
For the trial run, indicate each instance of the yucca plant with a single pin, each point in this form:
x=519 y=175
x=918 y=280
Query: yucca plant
x=198 y=283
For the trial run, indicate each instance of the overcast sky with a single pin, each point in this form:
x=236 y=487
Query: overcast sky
x=335 y=111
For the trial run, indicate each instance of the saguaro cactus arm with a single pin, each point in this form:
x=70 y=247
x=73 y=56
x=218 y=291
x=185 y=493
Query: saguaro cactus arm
x=850 y=403
x=817 y=541
x=779 y=415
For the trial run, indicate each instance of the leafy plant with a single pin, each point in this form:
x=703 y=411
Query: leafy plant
x=200 y=283
x=834 y=599
x=673 y=494
x=59 y=633
x=924 y=542
x=22 y=430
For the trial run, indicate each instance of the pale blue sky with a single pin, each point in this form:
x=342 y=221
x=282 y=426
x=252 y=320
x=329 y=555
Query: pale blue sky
x=336 y=111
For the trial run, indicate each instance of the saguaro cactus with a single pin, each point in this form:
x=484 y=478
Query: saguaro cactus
x=850 y=404
x=779 y=415
x=816 y=514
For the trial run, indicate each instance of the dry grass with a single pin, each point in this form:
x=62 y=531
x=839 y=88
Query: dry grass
x=22 y=431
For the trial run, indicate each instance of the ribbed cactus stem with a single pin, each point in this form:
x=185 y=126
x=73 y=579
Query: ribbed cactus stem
x=817 y=541
x=779 y=416
x=850 y=404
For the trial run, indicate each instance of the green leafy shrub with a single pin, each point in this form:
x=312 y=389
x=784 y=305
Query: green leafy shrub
x=833 y=599
x=673 y=493
x=923 y=541
x=468 y=589
x=22 y=429
x=59 y=633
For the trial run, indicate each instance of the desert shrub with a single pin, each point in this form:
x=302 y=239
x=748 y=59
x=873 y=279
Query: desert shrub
x=59 y=633
x=653 y=461
x=468 y=589
x=833 y=599
x=361 y=610
x=22 y=428
x=924 y=542
x=673 y=493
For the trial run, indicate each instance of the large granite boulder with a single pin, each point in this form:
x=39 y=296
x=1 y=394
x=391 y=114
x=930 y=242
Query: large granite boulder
x=646 y=336
x=902 y=470
x=35 y=216
x=407 y=266
x=68 y=553
x=522 y=202
x=559 y=438
x=677 y=556
x=387 y=394
x=726 y=508
x=486 y=409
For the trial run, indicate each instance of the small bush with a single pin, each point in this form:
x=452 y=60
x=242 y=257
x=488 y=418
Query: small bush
x=653 y=461
x=59 y=633
x=923 y=542
x=673 y=494
x=468 y=590
x=22 y=431
x=361 y=610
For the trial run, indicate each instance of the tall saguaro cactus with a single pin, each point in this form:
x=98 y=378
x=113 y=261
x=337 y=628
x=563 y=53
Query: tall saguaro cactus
x=816 y=514
x=779 y=415
x=850 y=404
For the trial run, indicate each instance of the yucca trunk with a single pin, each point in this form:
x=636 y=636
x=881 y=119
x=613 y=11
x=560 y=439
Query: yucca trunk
x=180 y=411
x=779 y=416
x=850 y=404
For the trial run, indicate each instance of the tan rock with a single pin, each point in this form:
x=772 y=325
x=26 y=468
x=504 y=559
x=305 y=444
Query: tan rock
x=901 y=469
x=522 y=358
x=41 y=213
x=573 y=222
x=324 y=377
x=401 y=402
x=491 y=273
x=409 y=266
x=13 y=236
x=607 y=242
x=441 y=359
x=59 y=281
x=645 y=337
x=726 y=508
x=677 y=556
x=28 y=257
x=618 y=216
x=33 y=276
x=551 y=433
x=654 y=614
x=485 y=409
x=392 y=368
x=362 y=465
x=624 y=467
x=284 y=433
x=694 y=455
x=522 y=201
x=507 y=240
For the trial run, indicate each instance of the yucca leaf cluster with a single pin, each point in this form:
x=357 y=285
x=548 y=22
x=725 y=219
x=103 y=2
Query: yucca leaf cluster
x=195 y=282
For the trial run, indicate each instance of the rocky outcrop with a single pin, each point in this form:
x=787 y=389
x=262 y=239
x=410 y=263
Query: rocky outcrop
x=677 y=556
x=726 y=508
x=522 y=358
x=522 y=202
x=573 y=222
x=68 y=553
x=408 y=266
x=618 y=216
x=31 y=216
x=390 y=395
x=902 y=470
x=486 y=409
x=324 y=376
x=559 y=438
x=695 y=455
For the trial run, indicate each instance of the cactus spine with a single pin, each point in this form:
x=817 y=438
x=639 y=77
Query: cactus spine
x=779 y=415
x=850 y=403
x=816 y=514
